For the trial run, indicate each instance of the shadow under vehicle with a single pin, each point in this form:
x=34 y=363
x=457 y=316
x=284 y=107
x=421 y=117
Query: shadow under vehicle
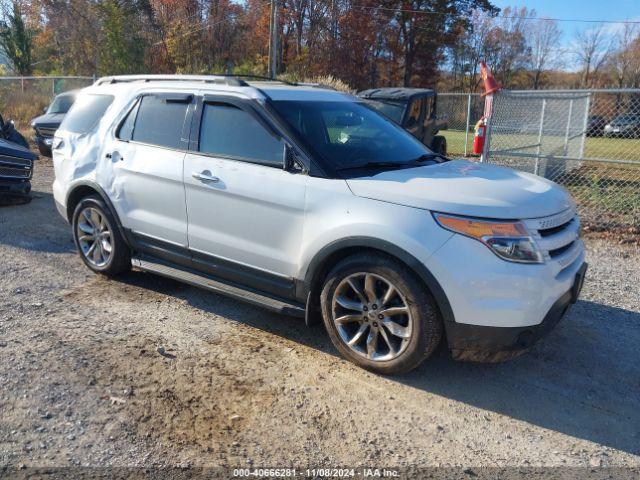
x=45 y=126
x=16 y=164
x=414 y=109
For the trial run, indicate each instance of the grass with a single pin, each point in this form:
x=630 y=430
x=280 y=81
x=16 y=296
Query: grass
x=595 y=147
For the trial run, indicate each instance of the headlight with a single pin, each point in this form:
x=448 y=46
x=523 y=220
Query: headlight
x=509 y=240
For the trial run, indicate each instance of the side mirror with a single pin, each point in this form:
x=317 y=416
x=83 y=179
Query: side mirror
x=44 y=110
x=290 y=163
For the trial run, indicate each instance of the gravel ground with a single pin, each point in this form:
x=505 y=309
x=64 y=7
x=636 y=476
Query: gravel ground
x=144 y=371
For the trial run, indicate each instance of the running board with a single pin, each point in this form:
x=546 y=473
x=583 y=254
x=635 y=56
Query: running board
x=202 y=281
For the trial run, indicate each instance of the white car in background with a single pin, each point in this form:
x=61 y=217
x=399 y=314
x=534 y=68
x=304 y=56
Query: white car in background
x=306 y=201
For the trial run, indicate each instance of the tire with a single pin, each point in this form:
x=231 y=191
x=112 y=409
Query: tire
x=403 y=340
x=439 y=145
x=99 y=218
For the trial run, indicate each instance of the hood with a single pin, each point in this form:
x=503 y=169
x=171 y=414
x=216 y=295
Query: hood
x=48 y=120
x=466 y=188
x=11 y=149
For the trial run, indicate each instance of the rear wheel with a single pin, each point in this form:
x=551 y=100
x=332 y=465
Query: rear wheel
x=379 y=315
x=98 y=239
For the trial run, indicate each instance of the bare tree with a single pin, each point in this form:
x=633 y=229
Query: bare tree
x=625 y=63
x=508 y=40
x=544 y=40
x=591 y=48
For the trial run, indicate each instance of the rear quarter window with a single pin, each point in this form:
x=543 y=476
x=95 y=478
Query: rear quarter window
x=86 y=112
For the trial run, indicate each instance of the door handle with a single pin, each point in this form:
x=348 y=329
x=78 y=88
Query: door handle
x=205 y=176
x=114 y=156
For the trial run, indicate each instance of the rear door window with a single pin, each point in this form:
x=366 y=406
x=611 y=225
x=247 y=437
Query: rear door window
x=415 y=109
x=86 y=112
x=229 y=131
x=429 y=104
x=160 y=121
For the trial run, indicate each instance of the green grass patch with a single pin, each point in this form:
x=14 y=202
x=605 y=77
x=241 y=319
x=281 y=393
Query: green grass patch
x=627 y=149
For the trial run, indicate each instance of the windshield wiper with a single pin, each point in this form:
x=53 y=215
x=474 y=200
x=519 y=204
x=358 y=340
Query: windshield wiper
x=378 y=165
x=430 y=156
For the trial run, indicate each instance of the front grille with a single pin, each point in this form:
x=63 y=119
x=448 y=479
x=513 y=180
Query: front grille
x=558 y=237
x=545 y=232
x=11 y=172
x=46 y=131
x=559 y=251
x=14 y=161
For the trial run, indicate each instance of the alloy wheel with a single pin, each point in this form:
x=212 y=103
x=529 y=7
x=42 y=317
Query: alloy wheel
x=94 y=237
x=372 y=316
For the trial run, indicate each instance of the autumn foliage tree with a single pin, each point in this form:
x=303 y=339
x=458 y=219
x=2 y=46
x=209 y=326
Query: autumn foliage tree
x=364 y=43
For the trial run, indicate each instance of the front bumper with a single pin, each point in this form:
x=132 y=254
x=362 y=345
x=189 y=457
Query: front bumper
x=481 y=343
x=14 y=187
x=44 y=145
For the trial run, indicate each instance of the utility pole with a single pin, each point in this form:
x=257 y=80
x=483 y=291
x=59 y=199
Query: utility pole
x=273 y=40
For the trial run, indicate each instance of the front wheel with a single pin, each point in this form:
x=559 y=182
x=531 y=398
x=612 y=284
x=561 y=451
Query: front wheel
x=379 y=314
x=96 y=235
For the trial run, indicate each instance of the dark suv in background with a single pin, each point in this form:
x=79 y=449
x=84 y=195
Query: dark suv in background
x=414 y=109
x=46 y=125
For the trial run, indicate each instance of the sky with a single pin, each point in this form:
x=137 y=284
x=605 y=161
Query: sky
x=597 y=10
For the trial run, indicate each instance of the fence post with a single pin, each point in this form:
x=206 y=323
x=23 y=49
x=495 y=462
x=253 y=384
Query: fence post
x=566 y=133
x=544 y=106
x=466 y=130
x=22 y=84
x=587 y=106
x=53 y=86
x=488 y=113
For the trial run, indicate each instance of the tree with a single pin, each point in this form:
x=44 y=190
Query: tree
x=591 y=47
x=624 y=60
x=508 y=50
x=544 y=39
x=16 y=41
x=122 y=48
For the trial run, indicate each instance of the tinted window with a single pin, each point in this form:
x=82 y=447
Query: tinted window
x=429 y=107
x=160 y=121
x=126 y=128
x=414 y=112
x=231 y=132
x=349 y=134
x=86 y=112
x=393 y=110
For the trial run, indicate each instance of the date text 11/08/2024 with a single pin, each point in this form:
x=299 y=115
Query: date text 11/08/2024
x=316 y=472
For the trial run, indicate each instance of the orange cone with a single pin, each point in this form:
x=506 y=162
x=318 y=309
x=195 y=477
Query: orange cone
x=490 y=83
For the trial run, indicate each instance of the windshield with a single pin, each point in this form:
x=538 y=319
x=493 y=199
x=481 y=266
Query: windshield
x=61 y=104
x=350 y=134
x=393 y=110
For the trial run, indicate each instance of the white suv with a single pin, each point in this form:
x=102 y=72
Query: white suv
x=307 y=202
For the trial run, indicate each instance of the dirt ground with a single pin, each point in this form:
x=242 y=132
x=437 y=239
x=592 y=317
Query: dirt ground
x=144 y=371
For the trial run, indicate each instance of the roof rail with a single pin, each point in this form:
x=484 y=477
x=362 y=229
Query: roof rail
x=256 y=77
x=220 y=79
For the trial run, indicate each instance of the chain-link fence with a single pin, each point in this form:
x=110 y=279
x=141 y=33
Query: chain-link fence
x=585 y=140
x=462 y=110
x=23 y=98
